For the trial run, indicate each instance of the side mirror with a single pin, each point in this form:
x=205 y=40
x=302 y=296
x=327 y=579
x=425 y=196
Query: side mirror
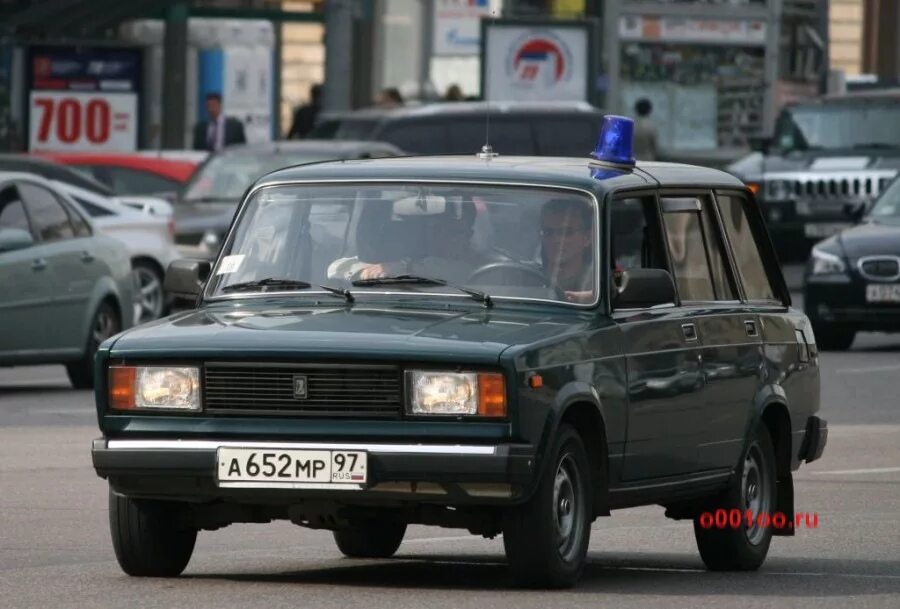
x=185 y=278
x=760 y=143
x=15 y=239
x=856 y=211
x=641 y=288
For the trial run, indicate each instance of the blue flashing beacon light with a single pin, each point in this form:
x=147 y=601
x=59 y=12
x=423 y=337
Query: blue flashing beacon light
x=615 y=147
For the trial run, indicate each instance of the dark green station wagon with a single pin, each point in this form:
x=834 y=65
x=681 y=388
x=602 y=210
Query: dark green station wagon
x=507 y=345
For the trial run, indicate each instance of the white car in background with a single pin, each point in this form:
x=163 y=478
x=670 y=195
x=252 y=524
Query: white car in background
x=146 y=226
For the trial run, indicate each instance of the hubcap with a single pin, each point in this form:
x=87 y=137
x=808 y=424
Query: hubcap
x=568 y=508
x=148 y=301
x=756 y=494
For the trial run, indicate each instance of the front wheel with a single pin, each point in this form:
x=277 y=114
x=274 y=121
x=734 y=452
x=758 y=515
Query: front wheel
x=370 y=541
x=546 y=539
x=752 y=492
x=148 y=538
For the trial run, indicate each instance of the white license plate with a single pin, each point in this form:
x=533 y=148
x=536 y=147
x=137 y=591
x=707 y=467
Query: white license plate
x=823 y=229
x=282 y=468
x=883 y=293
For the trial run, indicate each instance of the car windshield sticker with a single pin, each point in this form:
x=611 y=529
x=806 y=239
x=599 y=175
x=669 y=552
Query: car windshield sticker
x=230 y=264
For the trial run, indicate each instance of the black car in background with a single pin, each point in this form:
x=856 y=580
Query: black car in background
x=516 y=128
x=206 y=206
x=828 y=161
x=852 y=281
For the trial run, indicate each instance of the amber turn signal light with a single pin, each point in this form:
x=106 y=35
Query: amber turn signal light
x=491 y=395
x=121 y=387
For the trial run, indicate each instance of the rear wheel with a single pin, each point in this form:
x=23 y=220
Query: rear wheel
x=546 y=539
x=742 y=547
x=370 y=541
x=148 y=537
x=834 y=338
x=105 y=324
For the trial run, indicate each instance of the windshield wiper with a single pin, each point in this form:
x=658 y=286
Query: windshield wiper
x=481 y=297
x=284 y=284
x=268 y=282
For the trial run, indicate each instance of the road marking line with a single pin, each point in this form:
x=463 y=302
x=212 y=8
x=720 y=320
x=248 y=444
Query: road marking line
x=851 y=472
x=867 y=369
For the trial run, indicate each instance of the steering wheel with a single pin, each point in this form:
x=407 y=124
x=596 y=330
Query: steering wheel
x=534 y=277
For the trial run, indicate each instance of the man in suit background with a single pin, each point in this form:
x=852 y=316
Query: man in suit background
x=219 y=130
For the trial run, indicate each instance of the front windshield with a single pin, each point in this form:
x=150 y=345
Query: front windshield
x=509 y=242
x=841 y=126
x=227 y=176
x=887 y=209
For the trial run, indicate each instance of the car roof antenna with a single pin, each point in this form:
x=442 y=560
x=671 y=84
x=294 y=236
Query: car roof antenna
x=487 y=153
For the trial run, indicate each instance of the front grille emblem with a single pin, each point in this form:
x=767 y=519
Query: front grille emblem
x=300 y=387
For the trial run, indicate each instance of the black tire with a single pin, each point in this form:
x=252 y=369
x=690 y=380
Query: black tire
x=834 y=338
x=741 y=548
x=147 y=538
x=370 y=541
x=104 y=324
x=546 y=539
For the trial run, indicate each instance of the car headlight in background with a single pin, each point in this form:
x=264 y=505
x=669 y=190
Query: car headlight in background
x=154 y=387
x=824 y=263
x=456 y=393
x=778 y=190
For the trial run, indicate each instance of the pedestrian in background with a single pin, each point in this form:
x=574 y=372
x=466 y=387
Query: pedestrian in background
x=389 y=98
x=219 y=130
x=454 y=93
x=305 y=115
x=645 y=136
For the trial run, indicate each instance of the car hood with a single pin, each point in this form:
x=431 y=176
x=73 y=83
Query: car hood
x=200 y=217
x=369 y=331
x=870 y=239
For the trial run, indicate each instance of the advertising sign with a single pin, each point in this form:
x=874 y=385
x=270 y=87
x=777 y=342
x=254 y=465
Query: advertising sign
x=83 y=99
x=526 y=62
x=689 y=29
x=457 y=27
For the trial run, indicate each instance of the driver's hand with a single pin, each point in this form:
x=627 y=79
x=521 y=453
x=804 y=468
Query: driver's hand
x=580 y=297
x=376 y=271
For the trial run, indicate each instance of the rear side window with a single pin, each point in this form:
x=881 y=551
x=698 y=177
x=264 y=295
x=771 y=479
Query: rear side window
x=50 y=219
x=565 y=136
x=417 y=137
x=745 y=244
x=12 y=212
x=695 y=249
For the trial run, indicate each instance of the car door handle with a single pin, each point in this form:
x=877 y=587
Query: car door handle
x=39 y=264
x=86 y=256
x=750 y=326
x=689 y=331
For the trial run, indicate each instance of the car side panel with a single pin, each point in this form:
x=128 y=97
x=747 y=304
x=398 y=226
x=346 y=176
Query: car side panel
x=26 y=301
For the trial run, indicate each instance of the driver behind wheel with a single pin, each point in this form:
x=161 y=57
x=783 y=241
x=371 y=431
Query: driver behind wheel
x=446 y=238
x=567 y=247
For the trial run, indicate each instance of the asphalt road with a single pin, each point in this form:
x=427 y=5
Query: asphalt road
x=55 y=549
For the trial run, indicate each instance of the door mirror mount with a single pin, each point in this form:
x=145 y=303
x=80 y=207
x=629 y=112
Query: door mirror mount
x=643 y=288
x=186 y=278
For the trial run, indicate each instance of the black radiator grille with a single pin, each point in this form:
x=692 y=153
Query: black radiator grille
x=331 y=390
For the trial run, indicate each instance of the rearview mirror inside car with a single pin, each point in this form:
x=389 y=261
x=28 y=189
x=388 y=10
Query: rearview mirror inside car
x=641 y=288
x=185 y=278
x=15 y=239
